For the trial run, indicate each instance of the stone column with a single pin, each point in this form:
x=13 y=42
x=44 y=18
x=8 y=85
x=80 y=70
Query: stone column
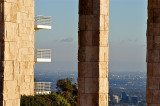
x=153 y=54
x=16 y=50
x=93 y=53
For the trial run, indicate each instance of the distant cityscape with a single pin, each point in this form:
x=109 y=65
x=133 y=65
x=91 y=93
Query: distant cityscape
x=125 y=88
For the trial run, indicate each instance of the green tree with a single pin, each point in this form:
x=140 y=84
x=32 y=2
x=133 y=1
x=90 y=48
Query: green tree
x=64 y=85
x=44 y=100
x=67 y=90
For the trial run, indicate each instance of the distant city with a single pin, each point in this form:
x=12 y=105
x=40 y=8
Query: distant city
x=125 y=88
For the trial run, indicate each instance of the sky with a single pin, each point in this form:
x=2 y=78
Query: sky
x=127 y=35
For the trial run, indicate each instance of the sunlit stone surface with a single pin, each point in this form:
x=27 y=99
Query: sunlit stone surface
x=16 y=50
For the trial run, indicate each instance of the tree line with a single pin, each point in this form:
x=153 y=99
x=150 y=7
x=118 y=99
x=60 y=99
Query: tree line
x=66 y=95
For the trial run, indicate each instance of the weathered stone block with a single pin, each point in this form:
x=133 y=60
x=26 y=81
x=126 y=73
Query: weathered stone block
x=156 y=15
x=103 y=69
x=82 y=22
x=10 y=88
x=27 y=3
x=103 y=85
x=103 y=42
x=10 y=51
x=10 y=12
x=93 y=54
x=93 y=69
x=26 y=37
x=26 y=68
x=149 y=98
x=156 y=99
x=150 y=15
x=87 y=54
x=149 y=42
x=104 y=9
x=106 y=22
x=102 y=22
x=26 y=44
x=156 y=30
x=92 y=22
x=91 y=85
x=153 y=83
x=156 y=44
x=25 y=88
x=104 y=34
x=1 y=51
x=11 y=31
x=85 y=38
x=88 y=69
x=150 y=30
x=104 y=2
x=28 y=78
x=31 y=89
x=8 y=70
x=156 y=92
x=96 y=4
x=85 y=4
x=1 y=32
x=104 y=54
x=86 y=7
x=81 y=85
x=28 y=58
x=103 y=99
x=31 y=51
x=100 y=38
x=89 y=99
x=150 y=69
x=153 y=56
x=156 y=69
x=152 y=3
x=21 y=79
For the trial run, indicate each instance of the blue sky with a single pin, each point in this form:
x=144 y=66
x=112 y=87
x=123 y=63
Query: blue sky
x=127 y=36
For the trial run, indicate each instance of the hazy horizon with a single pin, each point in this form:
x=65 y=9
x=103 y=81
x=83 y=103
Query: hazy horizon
x=73 y=67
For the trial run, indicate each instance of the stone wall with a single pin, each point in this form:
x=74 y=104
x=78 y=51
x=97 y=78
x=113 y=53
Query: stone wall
x=153 y=53
x=16 y=50
x=93 y=53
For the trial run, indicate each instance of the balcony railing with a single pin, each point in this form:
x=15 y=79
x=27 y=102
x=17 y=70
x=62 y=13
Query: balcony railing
x=43 y=22
x=43 y=55
x=42 y=87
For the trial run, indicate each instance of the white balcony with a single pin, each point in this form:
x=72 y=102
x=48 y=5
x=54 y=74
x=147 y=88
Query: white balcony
x=42 y=22
x=42 y=87
x=43 y=55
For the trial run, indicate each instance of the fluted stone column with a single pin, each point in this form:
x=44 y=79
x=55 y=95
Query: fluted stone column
x=153 y=53
x=16 y=50
x=93 y=53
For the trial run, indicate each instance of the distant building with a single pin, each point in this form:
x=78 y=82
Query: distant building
x=125 y=98
x=142 y=103
x=134 y=99
x=115 y=99
x=42 y=87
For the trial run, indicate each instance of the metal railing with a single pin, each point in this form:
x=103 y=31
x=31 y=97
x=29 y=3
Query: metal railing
x=43 y=20
x=43 y=53
x=42 y=87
